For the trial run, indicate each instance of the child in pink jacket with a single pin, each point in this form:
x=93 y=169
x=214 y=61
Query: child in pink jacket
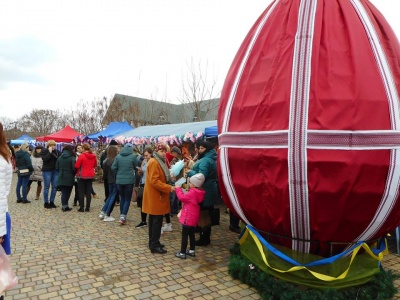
x=190 y=213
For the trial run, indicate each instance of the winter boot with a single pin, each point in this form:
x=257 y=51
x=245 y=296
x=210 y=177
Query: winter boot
x=38 y=191
x=88 y=204
x=204 y=237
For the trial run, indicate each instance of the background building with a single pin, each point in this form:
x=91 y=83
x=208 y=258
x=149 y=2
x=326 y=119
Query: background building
x=141 y=112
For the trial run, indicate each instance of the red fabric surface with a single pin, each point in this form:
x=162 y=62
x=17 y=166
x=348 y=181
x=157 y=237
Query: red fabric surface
x=66 y=135
x=345 y=187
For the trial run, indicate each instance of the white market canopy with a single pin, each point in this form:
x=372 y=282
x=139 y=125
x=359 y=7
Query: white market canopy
x=169 y=133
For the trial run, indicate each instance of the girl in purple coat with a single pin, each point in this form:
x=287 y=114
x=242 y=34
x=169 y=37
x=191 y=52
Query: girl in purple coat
x=190 y=213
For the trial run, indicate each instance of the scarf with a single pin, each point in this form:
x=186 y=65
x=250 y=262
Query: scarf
x=161 y=161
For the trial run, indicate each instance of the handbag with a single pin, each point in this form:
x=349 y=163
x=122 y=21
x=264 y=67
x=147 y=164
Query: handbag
x=8 y=279
x=23 y=172
x=215 y=217
x=204 y=220
x=134 y=195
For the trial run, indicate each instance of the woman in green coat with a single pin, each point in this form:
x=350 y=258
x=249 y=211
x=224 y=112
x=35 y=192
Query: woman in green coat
x=206 y=165
x=25 y=169
x=65 y=166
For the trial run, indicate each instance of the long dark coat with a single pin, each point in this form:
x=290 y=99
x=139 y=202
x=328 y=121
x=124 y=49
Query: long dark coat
x=65 y=166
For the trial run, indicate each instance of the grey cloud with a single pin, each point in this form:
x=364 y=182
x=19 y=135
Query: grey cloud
x=20 y=56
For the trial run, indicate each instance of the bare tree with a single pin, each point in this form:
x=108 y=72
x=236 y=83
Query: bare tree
x=197 y=89
x=41 y=122
x=88 y=116
x=7 y=123
x=10 y=128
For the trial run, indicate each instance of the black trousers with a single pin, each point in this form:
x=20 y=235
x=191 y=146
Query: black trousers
x=188 y=231
x=76 y=197
x=233 y=220
x=155 y=224
x=65 y=194
x=85 y=189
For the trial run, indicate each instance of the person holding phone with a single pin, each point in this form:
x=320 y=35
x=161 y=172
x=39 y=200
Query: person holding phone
x=50 y=175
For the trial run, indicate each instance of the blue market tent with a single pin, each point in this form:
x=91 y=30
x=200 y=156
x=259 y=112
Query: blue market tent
x=22 y=140
x=168 y=129
x=211 y=131
x=114 y=128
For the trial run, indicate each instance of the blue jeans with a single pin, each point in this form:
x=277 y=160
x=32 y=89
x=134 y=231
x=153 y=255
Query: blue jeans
x=50 y=177
x=125 y=194
x=22 y=183
x=112 y=193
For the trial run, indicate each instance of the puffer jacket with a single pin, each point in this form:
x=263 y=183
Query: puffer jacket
x=85 y=165
x=37 y=163
x=65 y=166
x=23 y=161
x=5 y=185
x=49 y=159
x=190 y=213
x=207 y=165
x=124 y=166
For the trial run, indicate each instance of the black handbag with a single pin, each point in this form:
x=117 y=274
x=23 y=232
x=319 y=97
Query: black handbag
x=215 y=217
x=23 y=172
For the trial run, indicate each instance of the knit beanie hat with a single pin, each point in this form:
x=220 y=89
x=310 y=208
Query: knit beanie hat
x=113 y=143
x=176 y=150
x=197 y=180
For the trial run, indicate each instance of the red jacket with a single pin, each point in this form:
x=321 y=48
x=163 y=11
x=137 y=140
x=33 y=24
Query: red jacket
x=85 y=165
x=190 y=213
x=168 y=158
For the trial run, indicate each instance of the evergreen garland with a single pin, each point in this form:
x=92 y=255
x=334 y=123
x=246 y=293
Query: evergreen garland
x=379 y=288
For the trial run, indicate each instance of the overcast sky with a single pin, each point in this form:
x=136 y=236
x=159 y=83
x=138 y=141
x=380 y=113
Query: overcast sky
x=54 y=54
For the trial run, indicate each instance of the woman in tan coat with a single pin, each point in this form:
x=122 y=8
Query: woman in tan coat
x=156 y=196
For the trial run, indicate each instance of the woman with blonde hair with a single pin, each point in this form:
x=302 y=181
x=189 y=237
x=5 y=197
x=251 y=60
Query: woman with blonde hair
x=25 y=169
x=85 y=166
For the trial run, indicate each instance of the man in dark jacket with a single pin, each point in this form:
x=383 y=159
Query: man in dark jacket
x=50 y=175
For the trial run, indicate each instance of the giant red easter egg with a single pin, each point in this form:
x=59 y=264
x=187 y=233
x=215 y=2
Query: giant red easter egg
x=309 y=125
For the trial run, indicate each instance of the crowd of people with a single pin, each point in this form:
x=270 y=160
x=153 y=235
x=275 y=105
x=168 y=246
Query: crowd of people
x=190 y=193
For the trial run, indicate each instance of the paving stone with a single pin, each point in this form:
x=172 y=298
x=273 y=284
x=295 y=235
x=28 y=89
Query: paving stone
x=77 y=256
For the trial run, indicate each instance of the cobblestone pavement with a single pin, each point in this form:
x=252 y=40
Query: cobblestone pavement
x=73 y=255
